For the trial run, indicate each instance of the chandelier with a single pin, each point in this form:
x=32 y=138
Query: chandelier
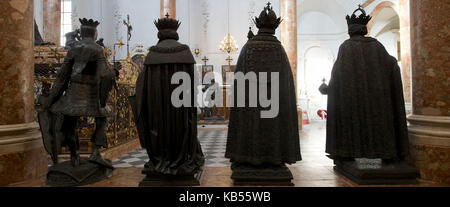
x=228 y=44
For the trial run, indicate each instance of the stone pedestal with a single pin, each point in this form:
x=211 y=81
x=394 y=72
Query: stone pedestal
x=153 y=179
x=289 y=41
x=65 y=175
x=429 y=129
x=375 y=172
x=22 y=155
x=170 y=7
x=52 y=21
x=264 y=175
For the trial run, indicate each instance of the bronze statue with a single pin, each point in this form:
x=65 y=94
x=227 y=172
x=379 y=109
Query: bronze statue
x=366 y=110
x=38 y=41
x=259 y=147
x=72 y=38
x=168 y=133
x=250 y=34
x=81 y=88
x=100 y=42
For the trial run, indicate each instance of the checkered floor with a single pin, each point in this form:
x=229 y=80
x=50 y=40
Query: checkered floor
x=213 y=145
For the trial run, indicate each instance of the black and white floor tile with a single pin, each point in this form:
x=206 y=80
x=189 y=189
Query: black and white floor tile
x=213 y=144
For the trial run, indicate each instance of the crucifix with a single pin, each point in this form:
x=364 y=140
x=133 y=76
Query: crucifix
x=229 y=59
x=205 y=59
x=129 y=29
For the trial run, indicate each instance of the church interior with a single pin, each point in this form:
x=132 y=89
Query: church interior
x=414 y=32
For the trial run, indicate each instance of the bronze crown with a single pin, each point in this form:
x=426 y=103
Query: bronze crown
x=89 y=23
x=167 y=23
x=267 y=19
x=362 y=19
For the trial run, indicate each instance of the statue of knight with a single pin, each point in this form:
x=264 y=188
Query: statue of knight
x=81 y=88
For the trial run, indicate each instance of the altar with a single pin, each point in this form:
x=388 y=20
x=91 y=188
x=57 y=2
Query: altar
x=219 y=113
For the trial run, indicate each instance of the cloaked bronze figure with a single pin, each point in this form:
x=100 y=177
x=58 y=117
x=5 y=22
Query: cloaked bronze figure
x=366 y=110
x=260 y=147
x=168 y=133
x=81 y=88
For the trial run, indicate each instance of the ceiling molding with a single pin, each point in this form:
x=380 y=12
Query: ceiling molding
x=367 y=3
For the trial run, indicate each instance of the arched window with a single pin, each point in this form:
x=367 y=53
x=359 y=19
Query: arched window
x=66 y=19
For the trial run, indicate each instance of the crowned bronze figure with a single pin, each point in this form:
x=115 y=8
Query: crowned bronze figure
x=168 y=133
x=81 y=88
x=367 y=134
x=259 y=148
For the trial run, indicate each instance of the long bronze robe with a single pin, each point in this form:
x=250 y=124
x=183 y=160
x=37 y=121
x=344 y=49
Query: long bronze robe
x=252 y=139
x=366 y=109
x=168 y=134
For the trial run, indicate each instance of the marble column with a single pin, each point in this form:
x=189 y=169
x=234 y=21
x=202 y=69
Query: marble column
x=22 y=155
x=429 y=128
x=52 y=21
x=405 y=48
x=169 y=6
x=289 y=41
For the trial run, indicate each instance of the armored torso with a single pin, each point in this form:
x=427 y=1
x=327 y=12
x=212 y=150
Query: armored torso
x=83 y=70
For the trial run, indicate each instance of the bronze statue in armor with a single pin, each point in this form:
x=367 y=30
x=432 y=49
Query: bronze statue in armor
x=81 y=89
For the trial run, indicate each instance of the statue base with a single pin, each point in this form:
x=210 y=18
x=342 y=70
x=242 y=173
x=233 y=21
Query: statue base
x=376 y=172
x=248 y=175
x=153 y=179
x=65 y=175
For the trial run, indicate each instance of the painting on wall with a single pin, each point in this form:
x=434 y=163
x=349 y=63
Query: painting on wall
x=230 y=70
x=207 y=69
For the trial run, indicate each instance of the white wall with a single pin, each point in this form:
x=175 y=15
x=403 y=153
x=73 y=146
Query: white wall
x=322 y=28
x=389 y=40
x=318 y=64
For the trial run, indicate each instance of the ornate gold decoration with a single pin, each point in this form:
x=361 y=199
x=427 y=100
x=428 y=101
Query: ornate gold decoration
x=196 y=52
x=205 y=59
x=121 y=128
x=229 y=60
x=228 y=44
